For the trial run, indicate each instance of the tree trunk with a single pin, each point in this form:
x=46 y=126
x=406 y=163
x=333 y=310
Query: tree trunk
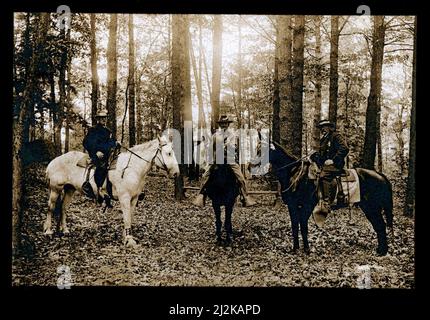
x=276 y=134
x=295 y=119
x=285 y=78
x=68 y=84
x=181 y=89
x=318 y=81
x=131 y=92
x=379 y=140
x=216 y=69
x=409 y=208
x=334 y=76
x=112 y=74
x=139 y=109
x=374 y=99
x=62 y=92
x=94 y=74
x=18 y=129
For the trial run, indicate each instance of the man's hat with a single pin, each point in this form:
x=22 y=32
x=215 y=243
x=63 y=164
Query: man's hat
x=101 y=113
x=224 y=119
x=324 y=123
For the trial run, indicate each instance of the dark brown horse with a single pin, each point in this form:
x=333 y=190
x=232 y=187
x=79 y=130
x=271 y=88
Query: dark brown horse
x=375 y=193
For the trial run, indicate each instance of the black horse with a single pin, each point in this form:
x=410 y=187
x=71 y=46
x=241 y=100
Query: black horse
x=301 y=197
x=222 y=188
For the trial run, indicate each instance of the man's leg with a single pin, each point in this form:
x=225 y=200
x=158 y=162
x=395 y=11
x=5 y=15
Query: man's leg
x=199 y=200
x=87 y=189
x=329 y=185
x=247 y=200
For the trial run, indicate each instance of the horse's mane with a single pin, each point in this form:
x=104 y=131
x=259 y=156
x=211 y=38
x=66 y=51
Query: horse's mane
x=144 y=146
x=287 y=153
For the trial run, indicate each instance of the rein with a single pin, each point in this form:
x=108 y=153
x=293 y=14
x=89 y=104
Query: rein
x=160 y=146
x=293 y=163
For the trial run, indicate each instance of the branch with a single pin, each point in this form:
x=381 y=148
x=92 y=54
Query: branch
x=265 y=36
x=400 y=49
x=343 y=25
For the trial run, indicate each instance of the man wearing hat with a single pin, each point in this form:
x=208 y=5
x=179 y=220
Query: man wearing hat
x=331 y=159
x=99 y=143
x=227 y=136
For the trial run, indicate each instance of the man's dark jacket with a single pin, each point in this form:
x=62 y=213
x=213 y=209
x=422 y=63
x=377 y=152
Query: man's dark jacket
x=332 y=146
x=99 y=138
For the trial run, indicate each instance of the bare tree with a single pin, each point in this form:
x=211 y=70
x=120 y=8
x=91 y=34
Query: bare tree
x=318 y=81
x=285 y=77
x=295 y=118
x=131 y=83
x=216 y=68
x=112 y=74
x=409 y=207
x=334 y=75
x=94 y=74
x=374 y=99
x=181 y=88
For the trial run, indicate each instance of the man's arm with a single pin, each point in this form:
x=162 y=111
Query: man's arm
x=341 y=147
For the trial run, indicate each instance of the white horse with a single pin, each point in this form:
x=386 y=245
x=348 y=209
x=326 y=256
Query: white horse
x=64 y=177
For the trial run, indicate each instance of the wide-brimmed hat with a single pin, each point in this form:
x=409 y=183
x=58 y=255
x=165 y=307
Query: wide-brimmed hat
x=224 y=119
x=325 y=123
x=101 y=114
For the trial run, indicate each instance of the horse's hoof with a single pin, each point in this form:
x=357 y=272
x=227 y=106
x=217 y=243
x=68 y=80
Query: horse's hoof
x=307 y=251
x=381 y=252
x=294 y=250
x=49 y=233
x=130 y=242
x=228 y=241
x=218 y=241
x=65 y=232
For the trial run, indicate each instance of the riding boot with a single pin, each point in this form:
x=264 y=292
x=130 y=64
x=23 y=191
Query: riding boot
x=141 y=196
x=248 y=201
x=326 y=195
x=200 y=200
x=88 y=191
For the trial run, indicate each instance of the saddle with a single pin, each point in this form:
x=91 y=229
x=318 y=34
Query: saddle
x=350 y=185
x=86 y=163
x=347 y=190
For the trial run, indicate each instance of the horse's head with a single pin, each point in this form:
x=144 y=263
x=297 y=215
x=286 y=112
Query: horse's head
x=166 y=158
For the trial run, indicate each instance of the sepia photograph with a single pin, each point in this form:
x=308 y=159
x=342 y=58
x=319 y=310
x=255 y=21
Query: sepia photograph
x=213 y=150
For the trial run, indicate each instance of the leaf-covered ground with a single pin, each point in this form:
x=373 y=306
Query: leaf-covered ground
x=176 y=245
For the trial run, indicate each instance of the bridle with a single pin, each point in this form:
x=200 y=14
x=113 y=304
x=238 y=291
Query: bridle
x=157 y=155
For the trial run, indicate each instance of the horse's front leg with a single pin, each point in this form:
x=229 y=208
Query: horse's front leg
x=294 y=216
x=128 y=204
x=68 y=194
x=218 y=223
x=227 y=224
x=47 y=226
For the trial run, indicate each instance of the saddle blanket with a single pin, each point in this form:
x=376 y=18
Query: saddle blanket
x=351 y=186
x=85 y=161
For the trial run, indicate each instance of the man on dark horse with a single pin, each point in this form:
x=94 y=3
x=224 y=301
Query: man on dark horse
x=99 y=144
x=224 y=133
x=330 y=159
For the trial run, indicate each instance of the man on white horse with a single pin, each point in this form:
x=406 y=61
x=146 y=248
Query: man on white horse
x=99 y=143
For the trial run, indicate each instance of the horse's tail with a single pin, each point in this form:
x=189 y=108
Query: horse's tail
x=47 y=179
x=387 y=204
